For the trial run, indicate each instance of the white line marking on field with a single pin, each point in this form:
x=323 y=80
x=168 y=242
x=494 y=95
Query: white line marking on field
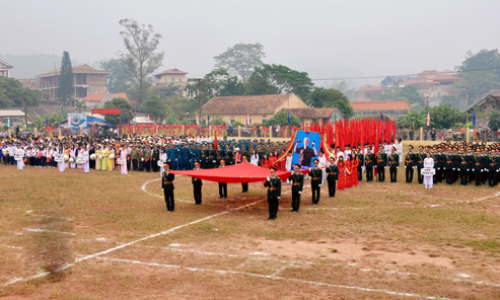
x=46 y=216
x=273 y=278
x=485 y=198
x=13 y=247
x=165 y=232
x=259 y=253
x=175 y=245
x=46 y=230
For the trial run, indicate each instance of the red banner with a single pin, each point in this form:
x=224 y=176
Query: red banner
x=106 y=111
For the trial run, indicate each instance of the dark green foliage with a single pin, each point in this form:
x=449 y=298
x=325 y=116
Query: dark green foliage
x=65 y=90
x=126 y=110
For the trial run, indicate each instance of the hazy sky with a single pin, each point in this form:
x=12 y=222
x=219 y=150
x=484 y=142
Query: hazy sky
x=327 y=38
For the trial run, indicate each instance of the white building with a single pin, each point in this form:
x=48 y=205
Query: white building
x=4 y=69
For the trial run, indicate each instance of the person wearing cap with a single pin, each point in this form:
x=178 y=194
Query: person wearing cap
x=449 y=165
x=332 y=171
x=410 y=164
x=361 y=163
x=478 y=166
x=428 y=165
x=316 y=176
x=134 y=156
x=222 y=185
x=273 y=185
x=297 y=180
x=393 y=164
x=369 y=163
x=381 y=163
x=463 y=161
x=168 y=187
x=197 y=184
x=147 y=158
x=492 y=167
x=155 y=156
x=244 y=185
x=470 y=155
x=19 y=155
x=420 y=164
x=484 y=176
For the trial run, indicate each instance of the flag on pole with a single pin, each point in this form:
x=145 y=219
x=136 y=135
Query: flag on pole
x=381 y=117
x=148 y=119
x=8 y=122
x=46 y=121
x=69 y=121
x=123 y=119
x=289 y=121
x=208 y=117
x=428 y=119
x=474 y=119
x=248 y=119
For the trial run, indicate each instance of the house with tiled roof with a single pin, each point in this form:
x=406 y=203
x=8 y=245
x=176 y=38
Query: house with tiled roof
x=173 y=77
x=489 y=103
x=390 y=108
x=258 y=108
x=98 y=100
x=5 y=69
x=86 y=81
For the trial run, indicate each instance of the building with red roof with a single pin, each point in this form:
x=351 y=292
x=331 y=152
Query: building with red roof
x=98 y=100
x=390 y=108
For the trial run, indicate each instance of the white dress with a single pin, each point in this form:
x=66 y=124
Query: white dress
x=20 y=163
x=428 y=179
x=254 y=159
x=61 y=164
x=323 y=162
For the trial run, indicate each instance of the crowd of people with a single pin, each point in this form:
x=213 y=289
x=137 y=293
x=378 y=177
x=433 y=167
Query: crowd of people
x=444 y=162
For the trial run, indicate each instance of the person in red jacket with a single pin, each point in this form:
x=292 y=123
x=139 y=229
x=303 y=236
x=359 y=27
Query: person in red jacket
x=272 y=160
x=265 y=161
x=342 y=173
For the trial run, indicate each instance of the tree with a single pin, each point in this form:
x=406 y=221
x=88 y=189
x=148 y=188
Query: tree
x=494 y=123
x=155 y=107
x=217 y=122
x=66 y=90
x=80 y=105
x=13 y=93
x=343 y=87
x=442 y=116
x=241 y=59
x=118 y=79
x=479 y=81
x=275 y=79
x=216 y=83
x=127 y=111
x=141 y=60
x=322 y=97
x=281 y=118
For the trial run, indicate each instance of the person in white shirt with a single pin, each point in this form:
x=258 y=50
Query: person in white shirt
x=399 y=149
x=254 y=158
x=19 y=155
x=339 y=153
x=60 y=154
x=428 y=165
x=11 y=150
x=322 y=164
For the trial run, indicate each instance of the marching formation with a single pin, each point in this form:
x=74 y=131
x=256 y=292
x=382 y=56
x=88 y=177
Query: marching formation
x=468 y=162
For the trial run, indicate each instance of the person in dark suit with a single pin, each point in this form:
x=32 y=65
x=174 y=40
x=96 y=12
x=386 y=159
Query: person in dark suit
x=244 y=186
x=297 y=180
x=316 y=175
x=332 y=176
x=197 y=183
x=155 y=156
x=222 y=185
x=273 y=185
x=167 y=186
x=305 y=153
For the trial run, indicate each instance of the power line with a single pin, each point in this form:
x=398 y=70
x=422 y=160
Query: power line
x=384 y=76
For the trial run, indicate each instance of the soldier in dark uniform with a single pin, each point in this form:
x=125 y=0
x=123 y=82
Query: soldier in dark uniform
x=478 y=166
x=219 y=155
x=134 y=155
x=361 y=160
x=155 y=156
x=273 y=185
x=211 y=157
x=197 y=183
x=168 y=187
x=332 y=176
x=470 y=155
x=369 y=160
x=244 y=185
x=204 y=157
x=393 y=164
x=297 y=181
x=222 y=185
x=463 y=160
x=449 y=165
x=315 y=173
x=420 y=164
x=409 y=164
x=492 y=168
x=381 y=163
x=484 y=176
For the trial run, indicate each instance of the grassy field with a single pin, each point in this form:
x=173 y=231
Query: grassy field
x=375 y=241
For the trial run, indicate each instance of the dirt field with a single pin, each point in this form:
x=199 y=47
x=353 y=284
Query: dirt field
x=375 y=241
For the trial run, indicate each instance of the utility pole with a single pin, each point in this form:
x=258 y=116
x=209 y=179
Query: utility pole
x=199 y=103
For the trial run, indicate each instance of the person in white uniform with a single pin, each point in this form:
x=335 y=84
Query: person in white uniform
x=428 y=165
x=85 y=153
x=60 y=155
x=19 y=153
x=323 y=163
